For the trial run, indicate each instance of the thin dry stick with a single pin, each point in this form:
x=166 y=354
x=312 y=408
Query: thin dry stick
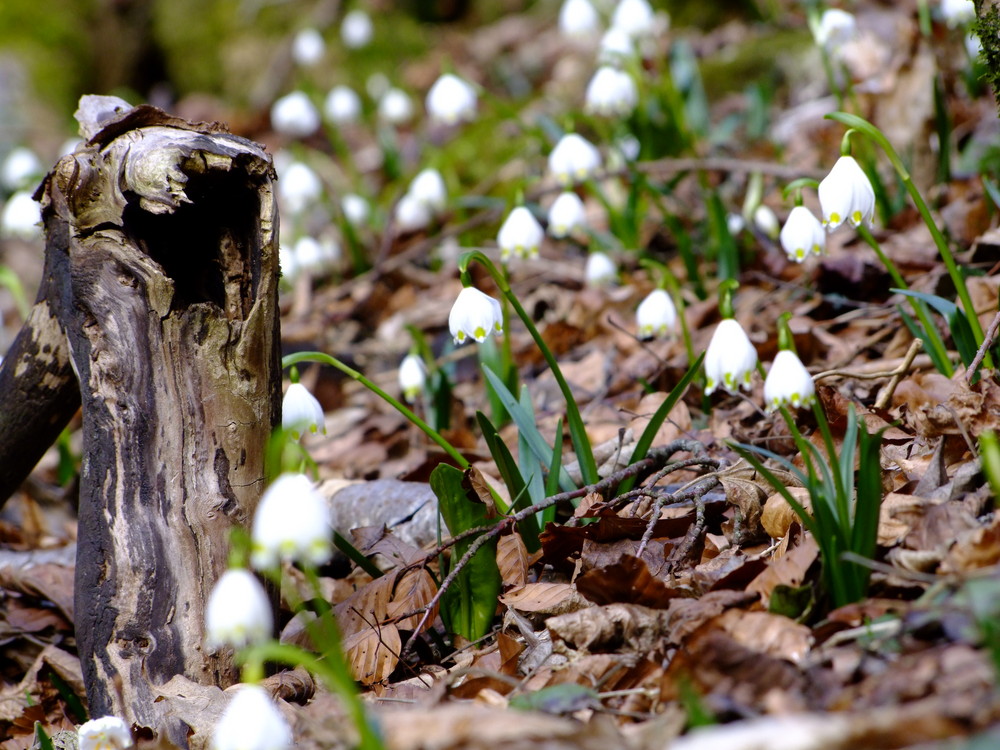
x=988 y=339
x=863 y=373
x=886 y=395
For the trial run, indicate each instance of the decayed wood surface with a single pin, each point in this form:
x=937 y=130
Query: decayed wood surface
x=161 y=288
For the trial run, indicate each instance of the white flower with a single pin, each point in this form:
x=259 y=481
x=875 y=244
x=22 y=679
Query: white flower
x=294 y=115
x=846 y=195
x=316 y=256
x=566 y=214
x=299 y=187
x=342 y=105
x=836 y=28
x=600 y=270
x=395 y=107
x=766 y=221
x=238 y=612
x=574 y=159
x=802 y=235
x=412 y=376
x=474 y=316
x=308 y=47
x=300 y=411
x=578 y=18
x=21 y=217
x=355 y=208
x=292 y=522
x=520 y=235
x=656 y=315
x=251 y=721
x=356 y=29
x=957 y=12
x=20 y=168
x=611 y=92
x=106 y=733
x=616 y=47
x=428 y=187
x=735 y=223
x=634 y=17
x=730 y=359
x=412 y=214
x=451 y=100
x=788 y=382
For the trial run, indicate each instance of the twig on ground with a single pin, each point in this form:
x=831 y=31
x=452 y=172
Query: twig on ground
x=988 y=339
x=871 y=373
x=886 y=395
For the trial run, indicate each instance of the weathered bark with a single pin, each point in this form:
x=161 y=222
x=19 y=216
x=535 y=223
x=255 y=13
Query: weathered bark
x=167 y=292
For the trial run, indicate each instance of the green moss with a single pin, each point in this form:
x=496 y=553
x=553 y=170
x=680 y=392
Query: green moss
x=987 y=28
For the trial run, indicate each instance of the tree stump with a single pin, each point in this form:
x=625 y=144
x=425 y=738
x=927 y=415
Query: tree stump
x=161 y=278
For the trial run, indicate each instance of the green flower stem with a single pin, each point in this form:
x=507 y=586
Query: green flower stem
x=833 y=460
x=919 y=307
x=863 y=126
x=584 y=452
x=796 y=186
x=326 y=359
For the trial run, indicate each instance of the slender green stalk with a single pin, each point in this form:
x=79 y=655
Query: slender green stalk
x=584 y=452
x=326 y=359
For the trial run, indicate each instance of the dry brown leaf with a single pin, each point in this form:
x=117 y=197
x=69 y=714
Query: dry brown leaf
x=545 y=598
x=628 y=581
x=975 y=549
x=512 y=560
x=788 y=570
x=373 y=653
x=778 y=515
x=771 y=634
x=628 y=627
x=15 y=698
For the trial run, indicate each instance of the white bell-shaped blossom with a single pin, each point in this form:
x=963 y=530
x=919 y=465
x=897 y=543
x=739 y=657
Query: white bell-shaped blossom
x=342 y=105
x=356 y=209
x=611 y=93
x=846 y=195
x=788 y=383
x=301 y=411
x=730 y=359
x=238 y=613
x=452 y=100
x=292 y=523
x=356 y=29
x=656 y=315
x=299 y=187
x=802 y=235
x=566 y=214
x=520 y=235
x=735 y=223
x=835 y=29
x=766 y=221
x=21 y=217
x=474 y=316
x=251 y=721
x=616 y=47
x=395 y=107
x=412 y=214
x=316 y=256
x=428 y=187
x=20 y=169
x=574 y=159
x=634 y=17
x=308 y=47
x=412 y=376
x=600 y=270
x=294 y=115
x=578 y=18
x=105 y=733
x=957 y=12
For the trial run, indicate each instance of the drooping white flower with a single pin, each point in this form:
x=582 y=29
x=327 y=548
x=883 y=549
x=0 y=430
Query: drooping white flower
x=395 y=107
x=656 y=315
x=520 y=235
x=251 y=721
x=308 y=47
x=578 y=18
x=766 y=221
x=634 y=17
x=315 y=256
x=356 y=209
x=451 y=100
x=611 y=93
x=300 y=411
x=412 y=214
x=356 y=29
x=474 y=316
x=788 y=383
x=105 y=733
x=957 y=12
x=846 y=195
x=835 y=29
x=299 y=187
x=566 y=214
x=21 y=217
x=412 y=376
x=616 y=47
x=292 y=522
x=428 y=187
x=574 y=159
x=342 y=105
x=600 y=270
x=802 y=235
x=735 y=223
x=238 y=613
x=294 y=115
x=730 y=359
x=21 y=167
